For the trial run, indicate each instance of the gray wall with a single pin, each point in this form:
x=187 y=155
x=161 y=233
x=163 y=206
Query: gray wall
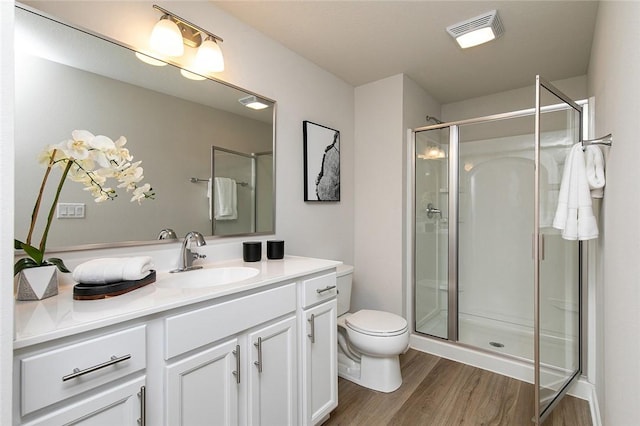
x=613 y=82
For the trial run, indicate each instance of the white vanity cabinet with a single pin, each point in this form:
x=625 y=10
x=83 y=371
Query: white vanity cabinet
x=272 y=378
x=262 y=353
x=89 y=381
x=247 y=372
x=203 y=386
x=318 y=340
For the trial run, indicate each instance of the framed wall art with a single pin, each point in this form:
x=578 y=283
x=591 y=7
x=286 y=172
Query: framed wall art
x=321 y=162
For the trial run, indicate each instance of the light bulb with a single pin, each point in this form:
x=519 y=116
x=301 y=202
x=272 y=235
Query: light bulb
x=209 y=57
x=166 y=38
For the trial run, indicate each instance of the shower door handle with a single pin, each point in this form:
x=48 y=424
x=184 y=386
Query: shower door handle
x=432 y=211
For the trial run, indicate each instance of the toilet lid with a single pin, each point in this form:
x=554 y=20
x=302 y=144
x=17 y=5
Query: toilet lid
x=376 y=322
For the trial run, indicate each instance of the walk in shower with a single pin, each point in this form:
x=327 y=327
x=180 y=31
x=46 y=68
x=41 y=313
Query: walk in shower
x=490 y=272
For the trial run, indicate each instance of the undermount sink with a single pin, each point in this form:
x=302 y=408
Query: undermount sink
x=208 y=277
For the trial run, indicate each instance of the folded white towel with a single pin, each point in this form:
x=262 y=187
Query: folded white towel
x=574 y=215
x=595 y=170
x=225 y=199
x=113 y=270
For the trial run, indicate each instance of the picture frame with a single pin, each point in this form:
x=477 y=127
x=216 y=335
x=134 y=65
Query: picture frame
x=321 y=162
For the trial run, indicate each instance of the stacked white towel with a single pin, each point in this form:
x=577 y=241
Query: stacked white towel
x=225 y=199
x=113 y=270
x=595 y=170
x=574 y=215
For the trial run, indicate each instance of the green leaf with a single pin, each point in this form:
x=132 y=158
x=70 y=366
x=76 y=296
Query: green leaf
x=24 y=263
x=31 y=251
x=17 y=244
x=59 y=263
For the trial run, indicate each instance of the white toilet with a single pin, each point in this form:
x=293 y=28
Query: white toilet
x=369 y=342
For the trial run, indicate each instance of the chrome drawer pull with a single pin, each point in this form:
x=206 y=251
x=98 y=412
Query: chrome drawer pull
x=236 y=373
x=327 y=288
x=77 y=372
x=258 y=363
x=312 y=336
x=142 y=421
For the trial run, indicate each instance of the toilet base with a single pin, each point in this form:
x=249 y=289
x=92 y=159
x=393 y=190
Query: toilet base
x=380 y=374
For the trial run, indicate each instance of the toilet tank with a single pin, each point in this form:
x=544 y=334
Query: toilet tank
x=344 y=277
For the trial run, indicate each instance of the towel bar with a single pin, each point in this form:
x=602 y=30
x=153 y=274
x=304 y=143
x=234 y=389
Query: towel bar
x=196 y=180
x=605 y=140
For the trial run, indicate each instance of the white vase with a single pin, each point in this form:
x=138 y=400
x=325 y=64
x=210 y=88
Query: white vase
x=37 y=283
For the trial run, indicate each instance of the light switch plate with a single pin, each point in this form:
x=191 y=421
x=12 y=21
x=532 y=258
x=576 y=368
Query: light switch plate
x=70 y=210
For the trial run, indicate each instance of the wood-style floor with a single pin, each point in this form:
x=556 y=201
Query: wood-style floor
x=439 y=392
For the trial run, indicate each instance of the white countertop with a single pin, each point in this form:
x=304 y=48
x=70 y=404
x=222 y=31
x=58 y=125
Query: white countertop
x=60 y=316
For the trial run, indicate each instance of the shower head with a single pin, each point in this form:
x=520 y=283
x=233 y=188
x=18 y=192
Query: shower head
x=433 y=119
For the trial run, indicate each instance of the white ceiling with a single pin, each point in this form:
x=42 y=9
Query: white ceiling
x=364 y=41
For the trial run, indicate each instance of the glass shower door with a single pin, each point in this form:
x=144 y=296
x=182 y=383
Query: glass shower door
x=431 y=234
x=557 y=280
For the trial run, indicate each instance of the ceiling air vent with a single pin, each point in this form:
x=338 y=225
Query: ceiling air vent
x=477 y=30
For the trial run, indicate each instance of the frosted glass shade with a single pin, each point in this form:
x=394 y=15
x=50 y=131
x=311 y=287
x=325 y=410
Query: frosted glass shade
x=191 y=76
x=209 y=57
x=166 y=38
x=476 y=37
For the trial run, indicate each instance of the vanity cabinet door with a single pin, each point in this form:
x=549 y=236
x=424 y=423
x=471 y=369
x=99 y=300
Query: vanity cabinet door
x=117 y=405
x=318 y=339
x=272 y=392
x=203 y=389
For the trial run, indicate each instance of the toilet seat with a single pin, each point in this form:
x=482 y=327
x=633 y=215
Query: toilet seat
x=376 y=323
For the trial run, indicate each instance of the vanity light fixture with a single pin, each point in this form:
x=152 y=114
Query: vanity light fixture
x=478 y=30
x=172 y=33
x=432 y=153
x=253 y=102
x=150 y=60
x=166 y=37
x=191 y=75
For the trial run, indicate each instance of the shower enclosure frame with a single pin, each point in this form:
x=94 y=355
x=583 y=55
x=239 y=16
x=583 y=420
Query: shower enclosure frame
x=537 y=243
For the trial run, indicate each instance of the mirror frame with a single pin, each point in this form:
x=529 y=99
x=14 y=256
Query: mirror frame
x=175 y=64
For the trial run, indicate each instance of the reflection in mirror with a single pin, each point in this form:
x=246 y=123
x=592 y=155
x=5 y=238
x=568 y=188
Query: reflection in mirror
x=239 y=206
x=67 y=79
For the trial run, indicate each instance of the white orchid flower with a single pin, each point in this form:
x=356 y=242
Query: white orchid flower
x=140 y=192
x=82 y=135
x=103 y=150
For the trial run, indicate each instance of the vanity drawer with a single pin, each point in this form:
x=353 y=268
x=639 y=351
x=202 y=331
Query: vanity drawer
x=318 y=289
x=193 y=329
x=51 y=376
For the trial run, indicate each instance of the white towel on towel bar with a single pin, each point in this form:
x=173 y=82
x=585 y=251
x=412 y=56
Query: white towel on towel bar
x=225 y=206
x=595 y=170
x=574 y=215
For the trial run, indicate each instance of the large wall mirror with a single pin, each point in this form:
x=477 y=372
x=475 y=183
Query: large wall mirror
x=191 y=137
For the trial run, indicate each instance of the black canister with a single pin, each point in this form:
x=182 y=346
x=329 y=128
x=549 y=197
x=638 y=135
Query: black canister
x=252 y=251
x=275 y=249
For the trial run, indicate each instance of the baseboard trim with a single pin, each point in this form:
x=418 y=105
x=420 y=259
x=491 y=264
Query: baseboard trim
x=520 y=370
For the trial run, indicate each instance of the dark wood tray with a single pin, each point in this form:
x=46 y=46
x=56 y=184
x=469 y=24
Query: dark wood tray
x=100 y=291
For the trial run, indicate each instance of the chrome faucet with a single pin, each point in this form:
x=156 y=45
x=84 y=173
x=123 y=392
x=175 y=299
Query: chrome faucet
x=167 y=234
x=185 y=262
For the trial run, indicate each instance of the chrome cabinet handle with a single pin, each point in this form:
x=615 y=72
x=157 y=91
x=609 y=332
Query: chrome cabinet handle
x=77 y=372
x=258 y=363
x=142 y=421
x=327 y=288
x=237 y=372
x=312 y=336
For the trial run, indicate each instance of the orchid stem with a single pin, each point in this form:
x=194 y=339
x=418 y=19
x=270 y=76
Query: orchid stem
x=36 y=208
x=43 y=241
